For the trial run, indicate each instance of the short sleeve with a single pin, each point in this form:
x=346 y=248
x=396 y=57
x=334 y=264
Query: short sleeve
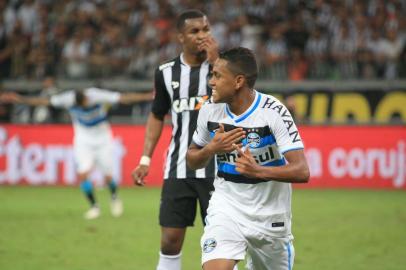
x=97 y=96
x=286 y=133
x=63 y=100
x=162 y=100
x=201 y=136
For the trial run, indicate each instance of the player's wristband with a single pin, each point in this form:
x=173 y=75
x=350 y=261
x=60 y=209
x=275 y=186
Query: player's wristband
x=145 y=160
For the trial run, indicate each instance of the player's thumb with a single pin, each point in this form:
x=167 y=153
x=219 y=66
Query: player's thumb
x=221 y=128
x=247 y=151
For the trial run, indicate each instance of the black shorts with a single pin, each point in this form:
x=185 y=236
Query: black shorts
x=179 y=201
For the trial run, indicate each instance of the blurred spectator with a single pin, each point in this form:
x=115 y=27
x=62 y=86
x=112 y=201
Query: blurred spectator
x=343 y=52
x=40 y=62
x=5 y=51
x=402 y=64
x=75 y=56
x=316 y=51
x=19 y=44
x=251 y=31
x=390 y=49
x=27 y=14
x=296 y=35
x=276 y=51
x=297 y=65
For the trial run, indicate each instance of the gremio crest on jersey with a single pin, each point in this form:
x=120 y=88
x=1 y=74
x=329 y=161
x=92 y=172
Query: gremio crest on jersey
x=209 y=245
x=253 y=140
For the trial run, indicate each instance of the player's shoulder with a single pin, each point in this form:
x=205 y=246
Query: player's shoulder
x=64 y=94
x=167 y=64
x=93 y=89
x=269 y=101
x=273 y=107
x=210 y=107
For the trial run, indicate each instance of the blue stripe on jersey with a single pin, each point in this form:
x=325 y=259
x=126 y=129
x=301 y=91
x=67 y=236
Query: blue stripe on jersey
x=89 y=116
x=245 y=115
x=289 y=256
x=92 y=122
x=229 y=113
x=250 y=111
x=230 y=168
x=292 y=149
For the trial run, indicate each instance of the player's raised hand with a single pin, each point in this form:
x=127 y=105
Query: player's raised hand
x=245 y=162
x=10 y=97
x=139 y=174
x=223 y=141
x=211 y=47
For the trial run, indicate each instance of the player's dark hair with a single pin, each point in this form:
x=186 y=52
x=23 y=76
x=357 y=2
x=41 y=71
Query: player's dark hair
x=188 y=14
x=79 y=98
x=241 y=61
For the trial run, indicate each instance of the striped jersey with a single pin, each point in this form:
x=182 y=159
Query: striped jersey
x=182 y=90
x=89 y=123
x=270 y=132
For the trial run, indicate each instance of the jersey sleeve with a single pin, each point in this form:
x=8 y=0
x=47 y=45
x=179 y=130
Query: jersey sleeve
x=286 y=132
x=201 y=136
x=97 y=95
x=162 y=100
x=63 y=100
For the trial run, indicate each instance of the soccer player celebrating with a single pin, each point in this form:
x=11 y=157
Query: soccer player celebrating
x=93 y=140
x=181 y=87
x=259 y=154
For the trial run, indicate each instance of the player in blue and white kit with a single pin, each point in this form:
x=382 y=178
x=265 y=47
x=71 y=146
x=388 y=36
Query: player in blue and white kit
x=93 y=139
x=259 y=154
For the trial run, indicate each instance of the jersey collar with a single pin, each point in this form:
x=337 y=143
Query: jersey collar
x=248 y=112
x=183 y=62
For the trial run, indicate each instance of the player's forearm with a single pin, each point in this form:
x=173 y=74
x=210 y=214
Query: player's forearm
x=34 y=101
x=290 y=173
x=197 y=158
x=153 y=133
x=129 y=98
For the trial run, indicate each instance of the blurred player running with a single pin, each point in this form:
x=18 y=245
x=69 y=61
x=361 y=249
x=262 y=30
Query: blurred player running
x=93 y=140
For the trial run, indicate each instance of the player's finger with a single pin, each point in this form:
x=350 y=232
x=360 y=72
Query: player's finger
x=235 y=133
x=238 y=148
x=139 y=182
x=236 y=137
x=221 y=128
x=247 y=151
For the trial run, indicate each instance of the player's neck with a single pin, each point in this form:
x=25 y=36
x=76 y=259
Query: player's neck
x=242 y=101
x=193 y=59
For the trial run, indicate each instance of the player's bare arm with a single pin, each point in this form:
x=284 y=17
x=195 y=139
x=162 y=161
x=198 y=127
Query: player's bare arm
x=198 y=157
x=12 y=97
x=129 y=98
x=152 y=134
x=296 y=171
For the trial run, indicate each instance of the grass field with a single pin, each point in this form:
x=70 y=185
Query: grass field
x=43 y=228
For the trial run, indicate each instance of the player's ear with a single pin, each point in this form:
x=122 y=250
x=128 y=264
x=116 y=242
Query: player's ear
x=239 y=81
x=181 y=38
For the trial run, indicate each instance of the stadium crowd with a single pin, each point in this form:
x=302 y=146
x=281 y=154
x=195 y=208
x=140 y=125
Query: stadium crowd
x=293 y=39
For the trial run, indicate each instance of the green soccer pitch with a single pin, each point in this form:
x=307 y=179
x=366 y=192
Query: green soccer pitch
x=43 y=228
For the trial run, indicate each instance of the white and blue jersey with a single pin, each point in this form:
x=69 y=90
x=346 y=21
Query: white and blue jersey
x=270 y=132
x=93 y=138
x=90 y=123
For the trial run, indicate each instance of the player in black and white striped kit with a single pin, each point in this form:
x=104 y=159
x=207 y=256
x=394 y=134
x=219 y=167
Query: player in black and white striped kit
x=180 y=87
